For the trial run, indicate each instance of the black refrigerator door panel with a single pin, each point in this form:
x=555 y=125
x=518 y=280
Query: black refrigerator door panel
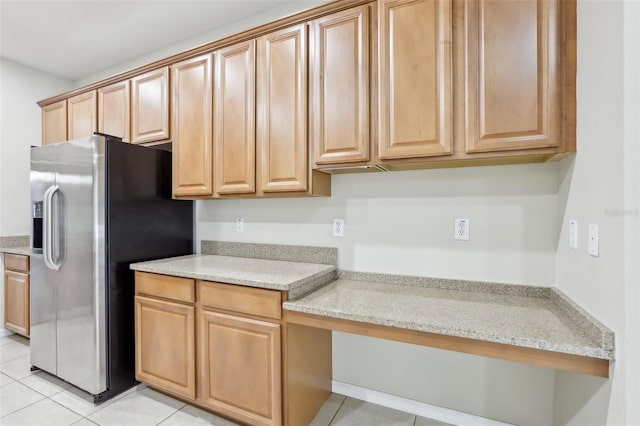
x=143 y=223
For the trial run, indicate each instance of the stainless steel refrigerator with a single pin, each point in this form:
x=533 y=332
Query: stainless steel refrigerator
x=98 y=204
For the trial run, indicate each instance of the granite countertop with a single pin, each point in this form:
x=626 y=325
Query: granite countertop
x=25 y=251
x=532 y=317
x=15 y=245
x=297 y=278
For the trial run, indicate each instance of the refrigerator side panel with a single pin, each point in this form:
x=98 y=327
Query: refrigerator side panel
x=143 y=223
x=42 y=292
x=80 y=347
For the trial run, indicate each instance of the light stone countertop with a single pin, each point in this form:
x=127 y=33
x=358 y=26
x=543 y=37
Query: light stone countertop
x=544 y=319
x=295 y=277
x=15 y=245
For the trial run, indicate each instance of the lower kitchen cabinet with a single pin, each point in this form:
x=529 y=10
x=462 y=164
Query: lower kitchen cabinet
x=234 y=332
x=165 y=345
x=16 y=293
x=240 y=367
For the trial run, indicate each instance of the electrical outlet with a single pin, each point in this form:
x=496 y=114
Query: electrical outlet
x=573 y=234
x=461 y=229
x=239 y=224
x=594 y=240
x=338 y=227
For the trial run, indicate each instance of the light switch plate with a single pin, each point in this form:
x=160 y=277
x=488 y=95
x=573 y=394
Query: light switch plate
x=573 y=234
x=239 y=224
x=594 y=240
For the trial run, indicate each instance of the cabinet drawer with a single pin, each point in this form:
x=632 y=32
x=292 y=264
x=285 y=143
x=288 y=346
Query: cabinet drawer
x=16 y=262
x=165 y=286
x=247 y=300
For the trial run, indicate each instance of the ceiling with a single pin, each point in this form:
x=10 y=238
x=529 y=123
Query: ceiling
x=77 y=38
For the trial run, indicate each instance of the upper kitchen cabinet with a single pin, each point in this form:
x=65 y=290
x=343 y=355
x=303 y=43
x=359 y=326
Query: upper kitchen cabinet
x=192 y=100
x=512 y=54
x=339 y=68
x=150 y=106
x=348 y=86
x=114 y=116
x=415 y=78
x=54 y=122
x=81 y=115
x=283 y=160
x=234 y=138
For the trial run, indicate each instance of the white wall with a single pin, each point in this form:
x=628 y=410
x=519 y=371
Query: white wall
x=601 y=186
x=20 y=88
x=402 y=222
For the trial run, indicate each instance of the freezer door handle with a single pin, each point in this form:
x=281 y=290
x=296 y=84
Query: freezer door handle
x=47 y=240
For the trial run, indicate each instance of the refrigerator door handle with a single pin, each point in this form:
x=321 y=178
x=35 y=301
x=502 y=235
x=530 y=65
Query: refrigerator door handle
x=47 y=237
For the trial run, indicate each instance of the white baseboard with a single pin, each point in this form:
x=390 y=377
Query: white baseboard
x=411 y=406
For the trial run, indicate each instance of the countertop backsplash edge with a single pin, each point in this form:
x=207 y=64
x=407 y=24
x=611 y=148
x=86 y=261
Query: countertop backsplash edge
x=288 y=253
x=584 y=320
x=448 y=284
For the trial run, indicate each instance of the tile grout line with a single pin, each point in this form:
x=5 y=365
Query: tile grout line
x=36 y=402
x=170 y=415
x=337 y=411
x=49 y=397
x=26 y=406
x=67 y=408
x=36 y=390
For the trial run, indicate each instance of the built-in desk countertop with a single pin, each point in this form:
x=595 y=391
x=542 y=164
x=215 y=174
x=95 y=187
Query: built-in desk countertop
x=535 y=325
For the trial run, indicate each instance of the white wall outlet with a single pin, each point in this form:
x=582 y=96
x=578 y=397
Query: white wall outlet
x=573 y=234
x=461 y=229
x=338 y=227
x=594 y=240
x=239 y=224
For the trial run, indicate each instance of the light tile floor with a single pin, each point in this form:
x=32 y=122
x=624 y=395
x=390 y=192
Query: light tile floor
x=37 y=398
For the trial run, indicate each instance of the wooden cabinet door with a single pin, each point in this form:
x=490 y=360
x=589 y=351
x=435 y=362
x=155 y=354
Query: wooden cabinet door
x=150 y=106
x=339 y=83
x=282 y=161
x=191 y=129
x=165 y=345
x=240 y=368
x=234 y=114
x=415 y=91
x=511 y=85
x=16 y=302
x=81 y=115
x=114 y=110
x=54 y=123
